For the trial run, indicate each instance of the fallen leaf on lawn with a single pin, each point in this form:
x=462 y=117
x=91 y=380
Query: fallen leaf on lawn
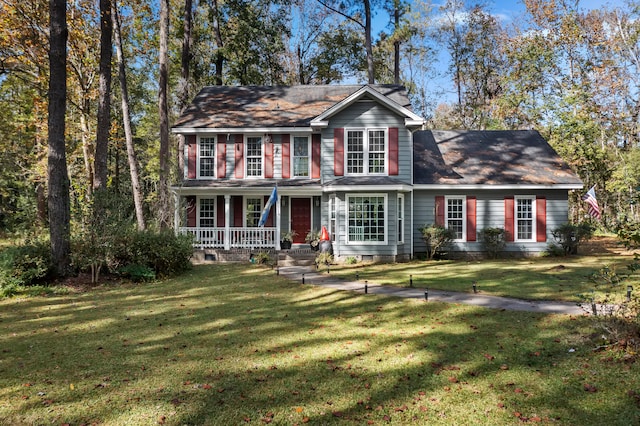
x=298 y=409
x=590 y=388
x=489 y=357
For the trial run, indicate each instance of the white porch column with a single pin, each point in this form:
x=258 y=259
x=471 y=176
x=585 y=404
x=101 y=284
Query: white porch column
x=176 y=212
x=277 y=220
x=227 y=222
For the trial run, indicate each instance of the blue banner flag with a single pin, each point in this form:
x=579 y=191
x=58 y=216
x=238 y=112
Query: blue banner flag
x=267 y=208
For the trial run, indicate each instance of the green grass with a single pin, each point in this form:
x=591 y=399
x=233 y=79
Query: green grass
x=228 y=345
x=544 y=278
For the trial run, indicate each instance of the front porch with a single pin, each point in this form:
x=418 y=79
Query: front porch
x=228 y=238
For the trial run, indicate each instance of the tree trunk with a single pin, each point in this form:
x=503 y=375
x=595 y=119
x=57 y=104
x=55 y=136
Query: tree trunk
x=183 y=95
x=126 y=118
x=163 y=187
x=367 y=41
x=104 y=97
x=396 y=44
x=219 y=42
x=58 y=176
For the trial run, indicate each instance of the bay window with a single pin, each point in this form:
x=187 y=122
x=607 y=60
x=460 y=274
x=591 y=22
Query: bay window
x=366 y=219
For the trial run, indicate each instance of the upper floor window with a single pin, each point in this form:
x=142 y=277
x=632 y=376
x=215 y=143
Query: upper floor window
x=301 y=156
x=525 y=218
x=207 y=153
x=366 y=151
x=254 y=156
x=455 y=216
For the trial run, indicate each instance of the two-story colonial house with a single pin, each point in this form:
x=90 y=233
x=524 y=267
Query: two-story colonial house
x=355 y=159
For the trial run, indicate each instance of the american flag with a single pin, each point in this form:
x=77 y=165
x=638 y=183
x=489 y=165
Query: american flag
x=590 y=198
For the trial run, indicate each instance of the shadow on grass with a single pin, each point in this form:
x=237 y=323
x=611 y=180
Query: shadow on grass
x=228 y=345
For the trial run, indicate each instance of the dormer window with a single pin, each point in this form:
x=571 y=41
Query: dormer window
x=366 y=151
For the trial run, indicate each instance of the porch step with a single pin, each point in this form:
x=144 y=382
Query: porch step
x=296 y=257
x=292 y=257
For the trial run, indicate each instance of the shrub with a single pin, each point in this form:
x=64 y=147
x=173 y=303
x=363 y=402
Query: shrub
x=137 y=272
x=324 y=258
x=164 y=252
x=436 y=238
x=570 y=236
x=493 y=241
x=26 y=264
x=619 y=315
x=629 y=234
x=262 y=258
x=351 y=260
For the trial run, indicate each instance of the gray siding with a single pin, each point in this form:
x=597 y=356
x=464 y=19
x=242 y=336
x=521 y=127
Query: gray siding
x=367 y=114
x=490 y=213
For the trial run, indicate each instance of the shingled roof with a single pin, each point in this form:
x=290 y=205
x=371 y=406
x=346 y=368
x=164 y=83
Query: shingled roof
x=521 y=157
x=271 y=106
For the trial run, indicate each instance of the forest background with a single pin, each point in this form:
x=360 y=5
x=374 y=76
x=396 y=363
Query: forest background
x=131 y=66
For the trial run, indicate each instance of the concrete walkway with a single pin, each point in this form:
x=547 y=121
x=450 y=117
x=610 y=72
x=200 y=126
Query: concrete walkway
x=321 y=278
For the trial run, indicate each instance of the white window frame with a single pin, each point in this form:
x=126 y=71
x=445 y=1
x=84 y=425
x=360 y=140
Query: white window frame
x=366 y=151
x=531 y=198
x=258 y=213
x=333 y=217
x=400 y=219
x=462 y=198
x=386 y=218
x=294 y=156
x=200 y=157
x=212 y=212
x=247 y=157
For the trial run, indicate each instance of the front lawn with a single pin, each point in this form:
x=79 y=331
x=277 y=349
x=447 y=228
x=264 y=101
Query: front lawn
x=542 y=278
x=230 y=345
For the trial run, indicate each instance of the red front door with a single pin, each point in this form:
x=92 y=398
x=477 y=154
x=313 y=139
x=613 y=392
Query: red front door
x=300 y=218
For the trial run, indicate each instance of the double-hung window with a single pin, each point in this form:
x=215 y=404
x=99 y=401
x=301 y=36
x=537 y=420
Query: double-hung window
x=207 y=212
x=207 y=153
x=253 y=212
x=254 y=156
x=525 y=218
x=301 y=156
x=332 y=217
x=366 y=151
x=455 y=216
x=366 y=219
x=400 y=218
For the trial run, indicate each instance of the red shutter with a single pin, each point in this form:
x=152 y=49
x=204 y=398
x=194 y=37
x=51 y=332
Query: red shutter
x=286 y=160
x=191 y=211
x=192 y=151
x=315 y=156
x=238 y=219
x=220 y=211
x=268 y=158
x=508 y=218
x=471 y=218
x=440 y=210
x=221 y=154
x=541 y=219
x=393 y=151
x=239 y=156
x=338 y=152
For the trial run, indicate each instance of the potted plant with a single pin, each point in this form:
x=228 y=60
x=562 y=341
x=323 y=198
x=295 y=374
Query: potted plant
x=286 y=239
x=313 y=238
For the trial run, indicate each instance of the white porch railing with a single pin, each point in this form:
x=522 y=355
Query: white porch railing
x=237 y=237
